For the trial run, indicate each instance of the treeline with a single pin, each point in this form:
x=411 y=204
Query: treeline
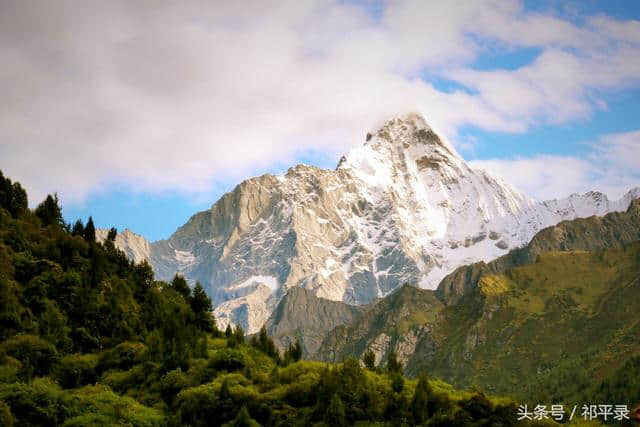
x=90 y=338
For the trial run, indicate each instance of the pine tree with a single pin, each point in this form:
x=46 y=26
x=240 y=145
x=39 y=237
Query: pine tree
x=13 y=198
x=111 y=236
x=49 y=211
x=228 y=332
x=179 y=284
x=78 y=228
x=202 y=308
x=238 y=334
x=296 y=351
x=369 y=360
x=90 y=231
x=393 y=365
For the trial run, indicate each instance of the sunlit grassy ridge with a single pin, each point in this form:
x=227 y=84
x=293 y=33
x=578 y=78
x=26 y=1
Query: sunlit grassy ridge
x=556 y=330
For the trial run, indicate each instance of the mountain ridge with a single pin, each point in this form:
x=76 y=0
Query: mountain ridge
x=556 y=307
x=402 y=208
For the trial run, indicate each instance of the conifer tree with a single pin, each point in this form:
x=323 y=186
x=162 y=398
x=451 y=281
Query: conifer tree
x=369 y=360
x=296 y=351
x=238 y=334
x=202 y=308
x=393 y=365
x=13 y=197
x=78 y=228
x=49 y=211
x=90 y=231
x=179 y=284
x=111 y=236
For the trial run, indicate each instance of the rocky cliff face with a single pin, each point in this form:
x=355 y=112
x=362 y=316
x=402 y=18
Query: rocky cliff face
x=303 y=316
x=404 y=208
x=134 y=245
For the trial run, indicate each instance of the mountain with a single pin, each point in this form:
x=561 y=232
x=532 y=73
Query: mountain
x=135 y=246
x=554 y=321
x=404 y=208
x=614 y=230
x=301 y=315
x=89 y=338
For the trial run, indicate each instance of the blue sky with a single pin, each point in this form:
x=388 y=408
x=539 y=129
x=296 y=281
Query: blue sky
x=151 y=119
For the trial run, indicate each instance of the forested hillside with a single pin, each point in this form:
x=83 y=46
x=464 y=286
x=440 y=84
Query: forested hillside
x=89 y=338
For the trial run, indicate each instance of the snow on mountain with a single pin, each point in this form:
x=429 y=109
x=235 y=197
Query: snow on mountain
x=402 y=208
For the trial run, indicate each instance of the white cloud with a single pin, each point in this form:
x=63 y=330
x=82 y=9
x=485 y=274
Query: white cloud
x=175 y=95
x=612 y=167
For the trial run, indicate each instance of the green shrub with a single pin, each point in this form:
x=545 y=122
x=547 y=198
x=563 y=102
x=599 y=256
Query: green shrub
x=225 y=360
x=36 y=355
x=172 y=383
x=99 y=403
x=6 y=417
x=76 y=370
x=123 y=356
x=40 y=402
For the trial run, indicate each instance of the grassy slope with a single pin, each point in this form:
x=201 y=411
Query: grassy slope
x=552 y=330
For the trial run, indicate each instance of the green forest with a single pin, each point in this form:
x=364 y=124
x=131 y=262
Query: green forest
x=90 y=338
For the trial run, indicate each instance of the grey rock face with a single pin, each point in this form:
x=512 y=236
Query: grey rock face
x=302 y=315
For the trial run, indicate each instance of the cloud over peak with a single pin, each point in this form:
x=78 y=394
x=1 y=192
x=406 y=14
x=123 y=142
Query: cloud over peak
x=176 y=95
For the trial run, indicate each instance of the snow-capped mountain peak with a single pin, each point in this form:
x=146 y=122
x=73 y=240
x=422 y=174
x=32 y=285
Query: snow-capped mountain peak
x=404 y=207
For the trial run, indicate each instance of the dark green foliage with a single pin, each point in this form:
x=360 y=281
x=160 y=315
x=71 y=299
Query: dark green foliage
x=335 y=415
x=13 y=198
x=112 y=234
x=369 y=360
x=202 y=309
x=49 y=211
x=76 y=370
x=123 y=356
x=6 y=417
x=265 y=344
x=90 y=231
x=393 y=365
x=420 y=401
x=172 y=383
x=78 y=228
x=179 y=284
x=236 y=337
x=243 y=419
x=397 y=382
x=228 y=331
x=36 y=355
x=294 y=352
